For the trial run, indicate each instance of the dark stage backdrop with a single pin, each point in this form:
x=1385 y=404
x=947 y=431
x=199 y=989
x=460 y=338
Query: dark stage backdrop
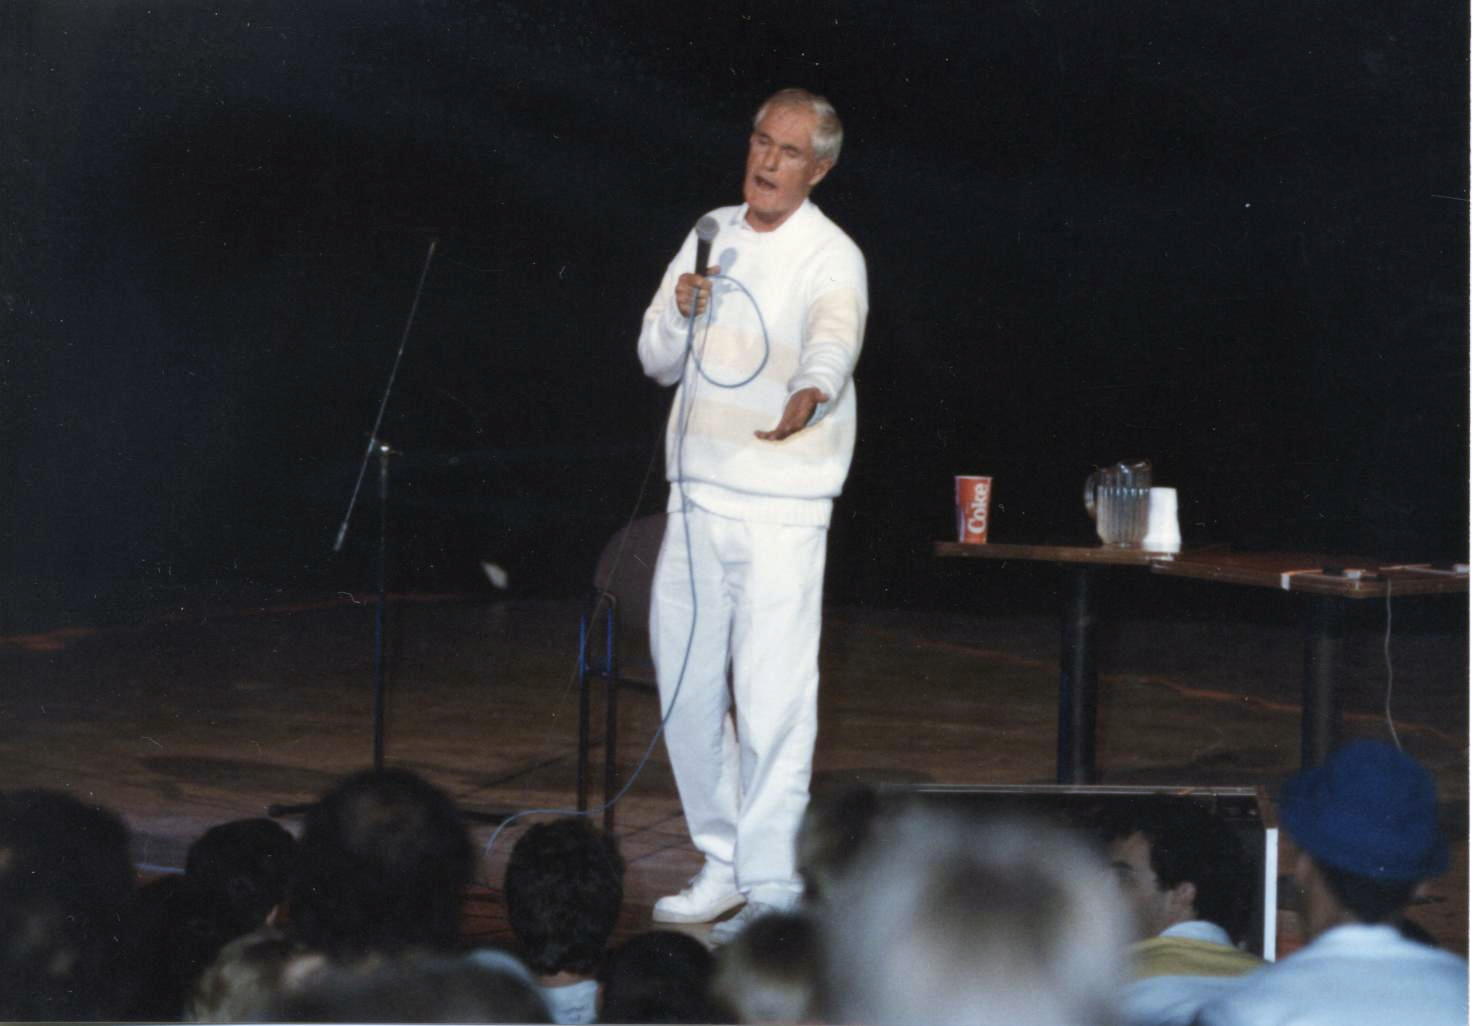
x=1231 y=237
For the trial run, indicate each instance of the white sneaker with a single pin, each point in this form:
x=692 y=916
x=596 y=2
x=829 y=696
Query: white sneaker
x=725 y=931
x=712 y=892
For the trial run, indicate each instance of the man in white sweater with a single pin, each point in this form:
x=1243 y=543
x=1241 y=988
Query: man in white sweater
x=762 y=346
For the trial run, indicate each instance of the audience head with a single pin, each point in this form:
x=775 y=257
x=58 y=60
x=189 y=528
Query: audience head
x=948 y=919
x=834 y=828
x=769 y=972
x=236 y=875
x=414 y=989
x=657 y=977
x=245 y=866
x=1176 y=861
x=175 y=934
x=65 y=883
x=382 y=866
x=564 y=886
x=1366 y=826
x=249 y=975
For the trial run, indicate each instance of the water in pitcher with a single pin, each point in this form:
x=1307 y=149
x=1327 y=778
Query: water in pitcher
x=1119 y=499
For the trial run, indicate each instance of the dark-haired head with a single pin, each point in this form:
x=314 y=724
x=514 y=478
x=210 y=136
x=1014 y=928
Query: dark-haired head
x=245 y=866
x=564 y=886
x=1187 y=844
x=1365 y=898
x=65 y=881
x=382 y=866
x=657 y=977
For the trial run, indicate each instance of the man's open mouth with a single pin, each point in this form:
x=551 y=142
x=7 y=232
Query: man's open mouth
x=764 y=183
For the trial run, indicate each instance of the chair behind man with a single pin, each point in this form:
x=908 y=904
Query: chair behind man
x=613 y=643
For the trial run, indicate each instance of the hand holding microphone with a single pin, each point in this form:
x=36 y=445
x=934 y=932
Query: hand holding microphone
x=695 y=287
x=693 y=290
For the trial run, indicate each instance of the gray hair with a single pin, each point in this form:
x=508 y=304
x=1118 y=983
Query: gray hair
x=769 y=972
x=828 y=133
x=964 y=920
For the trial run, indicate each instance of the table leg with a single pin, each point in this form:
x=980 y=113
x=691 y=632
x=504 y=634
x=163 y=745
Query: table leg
x=1078 y=684
x=1319 y=724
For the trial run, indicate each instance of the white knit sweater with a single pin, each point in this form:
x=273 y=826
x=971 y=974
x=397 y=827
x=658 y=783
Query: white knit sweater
x=808 y=280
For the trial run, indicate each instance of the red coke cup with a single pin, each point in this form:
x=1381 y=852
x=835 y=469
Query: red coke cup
x=973 y=508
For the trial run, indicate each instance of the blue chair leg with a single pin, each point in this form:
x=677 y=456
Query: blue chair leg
x=583 y=714
x=611 y=718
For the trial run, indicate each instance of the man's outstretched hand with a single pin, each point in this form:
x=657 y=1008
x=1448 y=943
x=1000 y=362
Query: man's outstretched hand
x=796 y=414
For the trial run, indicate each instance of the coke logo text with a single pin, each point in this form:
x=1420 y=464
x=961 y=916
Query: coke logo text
x=977 y=510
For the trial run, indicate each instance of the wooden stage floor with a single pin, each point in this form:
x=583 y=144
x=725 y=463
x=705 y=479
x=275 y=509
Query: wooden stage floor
x=183 y=718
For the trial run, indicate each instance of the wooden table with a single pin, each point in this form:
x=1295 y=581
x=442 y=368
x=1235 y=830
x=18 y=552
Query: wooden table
x=1327 y=580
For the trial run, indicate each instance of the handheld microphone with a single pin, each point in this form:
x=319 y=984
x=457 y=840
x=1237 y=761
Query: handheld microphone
x=706 y=229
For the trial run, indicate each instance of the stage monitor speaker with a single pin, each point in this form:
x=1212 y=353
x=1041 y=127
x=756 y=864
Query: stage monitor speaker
x=1244 y=810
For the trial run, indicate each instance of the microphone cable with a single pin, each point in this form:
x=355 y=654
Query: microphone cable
x=682 y=421
x=1390 y=670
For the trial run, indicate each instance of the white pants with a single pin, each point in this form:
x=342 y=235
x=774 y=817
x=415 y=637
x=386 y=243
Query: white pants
x=742 y=773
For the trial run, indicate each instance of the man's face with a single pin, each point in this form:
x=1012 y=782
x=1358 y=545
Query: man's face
x=1153 y=907
x=781 y=167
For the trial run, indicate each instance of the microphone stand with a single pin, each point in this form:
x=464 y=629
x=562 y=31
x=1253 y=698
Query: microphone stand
x=384 y=452
x=377 y=445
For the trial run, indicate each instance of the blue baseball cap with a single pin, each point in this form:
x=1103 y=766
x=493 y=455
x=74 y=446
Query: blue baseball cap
x=1370 y=810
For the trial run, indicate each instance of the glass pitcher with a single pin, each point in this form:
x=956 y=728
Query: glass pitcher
x=1119 y=499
